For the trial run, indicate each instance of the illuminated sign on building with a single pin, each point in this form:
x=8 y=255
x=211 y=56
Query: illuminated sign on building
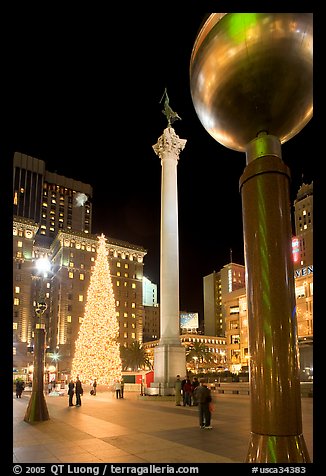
x=295 y=249
x=189 y=320
x=303 y=271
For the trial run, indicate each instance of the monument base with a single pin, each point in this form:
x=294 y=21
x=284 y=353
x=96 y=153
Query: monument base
x=277 y=449
x=169 y=361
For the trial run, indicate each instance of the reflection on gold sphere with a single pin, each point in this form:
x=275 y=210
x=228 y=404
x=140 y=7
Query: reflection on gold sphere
x=253 y=72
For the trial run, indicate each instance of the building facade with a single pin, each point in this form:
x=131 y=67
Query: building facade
x=216 y=286
x=52 y=219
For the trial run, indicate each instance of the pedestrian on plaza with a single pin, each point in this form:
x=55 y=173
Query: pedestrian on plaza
x=204 y=399
x=194 y=385
x=79 y=392
x=49 y=388
x=94 y=387
x=71 y=392
x=122 y=387
x=183 y=392
x=118 y=389
x=177 y=387
x=53 y=385
x=187 y=390
x=19 y=388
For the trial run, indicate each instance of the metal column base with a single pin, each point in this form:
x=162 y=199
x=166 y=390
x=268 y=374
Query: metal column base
x=277 y=449
x=37 y=409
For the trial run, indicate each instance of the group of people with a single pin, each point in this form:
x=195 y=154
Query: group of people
x=185 y=391
x=75 y=388
x=198 y=394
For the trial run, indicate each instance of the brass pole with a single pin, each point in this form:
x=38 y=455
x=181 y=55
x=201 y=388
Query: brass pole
x=276 y=418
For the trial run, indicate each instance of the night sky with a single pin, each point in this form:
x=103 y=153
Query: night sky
x=85 y=98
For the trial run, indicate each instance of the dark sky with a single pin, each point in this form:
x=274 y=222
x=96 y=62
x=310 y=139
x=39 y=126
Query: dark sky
x=85 y=98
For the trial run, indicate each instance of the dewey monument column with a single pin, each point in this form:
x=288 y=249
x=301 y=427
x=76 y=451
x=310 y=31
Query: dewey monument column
x=169 y=355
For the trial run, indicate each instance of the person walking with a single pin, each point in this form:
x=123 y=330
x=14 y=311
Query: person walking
x=187 y=390
x=122 y=387
x=79 y=392
x=194 y=385
x=118 y=389
x=19 y=388
x=204 y=399
x=178 y=395
x=94 y=387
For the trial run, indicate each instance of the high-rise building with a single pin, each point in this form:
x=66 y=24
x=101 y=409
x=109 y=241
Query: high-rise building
x=54 y=201
x=303 y=221
x=217 y=285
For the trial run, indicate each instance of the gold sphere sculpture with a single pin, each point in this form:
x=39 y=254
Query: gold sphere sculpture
x=252 y=73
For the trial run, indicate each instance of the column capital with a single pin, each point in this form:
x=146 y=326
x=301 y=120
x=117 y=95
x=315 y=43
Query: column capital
x=169 y=143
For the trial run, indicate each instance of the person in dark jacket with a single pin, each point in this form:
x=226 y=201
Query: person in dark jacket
x=79 y=392
x=94 y=386
x=204 y=398
x=19 y=388
x=194 y=384
x=71 y=392
x=187 y=389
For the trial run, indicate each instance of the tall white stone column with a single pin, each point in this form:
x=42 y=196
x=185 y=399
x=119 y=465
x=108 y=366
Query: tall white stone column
x=169 y=355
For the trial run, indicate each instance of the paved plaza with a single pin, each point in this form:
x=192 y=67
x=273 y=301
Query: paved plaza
x=133 y=430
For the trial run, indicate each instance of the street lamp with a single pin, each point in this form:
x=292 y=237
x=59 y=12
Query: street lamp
x=37 y=409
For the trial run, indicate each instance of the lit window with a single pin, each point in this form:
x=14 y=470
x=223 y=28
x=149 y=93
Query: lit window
x=133 y=285
x=17 y=289
x=118 y=273
x=118 y=283
x=118 y=264
x=126 y=265
x=71 y=274
x=81 y=276
x=15 y=325
x=20 y=244
x=16 y=301
x=125 y=314
x=69 y=318
x=80 y=298
x=133 y=304
x=117 y=303
x=133 y=335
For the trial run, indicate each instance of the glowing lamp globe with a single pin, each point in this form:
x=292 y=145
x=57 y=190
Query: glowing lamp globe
x=43 y=265
x=252 y=73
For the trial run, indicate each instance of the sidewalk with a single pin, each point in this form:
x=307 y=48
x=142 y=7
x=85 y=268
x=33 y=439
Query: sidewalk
x=129 y=430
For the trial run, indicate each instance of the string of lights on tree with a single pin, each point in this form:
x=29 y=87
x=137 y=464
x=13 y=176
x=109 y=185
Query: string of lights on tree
x=97 y=352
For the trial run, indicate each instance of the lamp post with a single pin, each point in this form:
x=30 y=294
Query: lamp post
x=37 y=409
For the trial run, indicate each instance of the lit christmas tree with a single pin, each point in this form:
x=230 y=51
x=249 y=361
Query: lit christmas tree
x=97 y=353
